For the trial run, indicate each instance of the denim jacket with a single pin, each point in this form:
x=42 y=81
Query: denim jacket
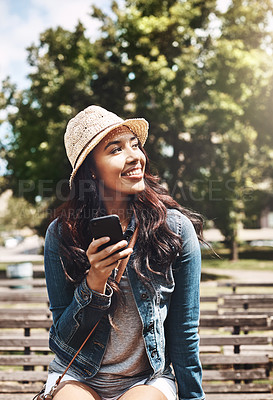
x=169 y=310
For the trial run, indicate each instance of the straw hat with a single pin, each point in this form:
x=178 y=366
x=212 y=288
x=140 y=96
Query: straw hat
x=89 y=127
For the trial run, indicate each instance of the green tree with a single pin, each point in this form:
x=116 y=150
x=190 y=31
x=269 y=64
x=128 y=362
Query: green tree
x=60 y=85
x=237 y=79
x=158 y=45
x=201 y=77
x=20 y=213
x=198 y=75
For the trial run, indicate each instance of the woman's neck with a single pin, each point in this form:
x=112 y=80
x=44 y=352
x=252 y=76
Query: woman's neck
x=122 y=209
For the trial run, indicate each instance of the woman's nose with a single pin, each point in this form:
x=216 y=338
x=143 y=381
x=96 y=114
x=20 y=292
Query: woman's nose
x=132 y=154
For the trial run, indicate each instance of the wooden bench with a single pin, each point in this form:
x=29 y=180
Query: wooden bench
x=24 y=324
x=24 y=353
x=236 y=366
x=221 y=366
x=246 y=303
x=235 y=285
x=229 y=369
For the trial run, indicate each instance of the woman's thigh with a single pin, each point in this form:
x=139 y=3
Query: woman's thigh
x=141 y=392
x=72 y=390
x=161 y=388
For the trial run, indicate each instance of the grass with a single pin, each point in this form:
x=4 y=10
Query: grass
x=247 y=264
x=250 y=258
x=245 y=252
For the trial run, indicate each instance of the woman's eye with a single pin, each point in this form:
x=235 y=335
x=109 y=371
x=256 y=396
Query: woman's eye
x=115 y=150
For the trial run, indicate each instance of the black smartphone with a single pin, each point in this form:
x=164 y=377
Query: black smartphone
x=108 y=225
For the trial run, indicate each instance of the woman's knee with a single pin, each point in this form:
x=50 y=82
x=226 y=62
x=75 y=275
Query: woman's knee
x=71 y=390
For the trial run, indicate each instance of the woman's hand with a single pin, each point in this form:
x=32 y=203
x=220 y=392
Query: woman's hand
x=103 y=262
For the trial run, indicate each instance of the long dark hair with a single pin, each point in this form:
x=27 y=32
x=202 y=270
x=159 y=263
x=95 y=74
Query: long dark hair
x=157 y=244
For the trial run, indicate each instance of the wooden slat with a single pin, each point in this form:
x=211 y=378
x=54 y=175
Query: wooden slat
x=209 y=299
x=213 y=359
x=237 y=388
x=16 y=396
x=23 y=291
x=35 y=282
x=23 y=376
x=245 y=284
x=243 y=303
x=229 y=374
x=251 y=302
x=249 y=297
x=25 y=360
x=17 y=387
x=250 y=311
x=23 y=297
x=26 y=312
x=234 y=396
x=37 y=322
x=208 y=340
x=209 y=312
x=23 y=341
x=251 y=351
x=229 y=320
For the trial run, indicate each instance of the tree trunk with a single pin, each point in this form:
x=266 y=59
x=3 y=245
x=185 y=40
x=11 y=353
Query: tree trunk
x=234 y=249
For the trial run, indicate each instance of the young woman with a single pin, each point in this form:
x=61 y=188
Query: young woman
x=146 y=343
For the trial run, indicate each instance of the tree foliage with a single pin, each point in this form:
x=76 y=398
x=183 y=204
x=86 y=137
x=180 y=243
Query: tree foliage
x=62 y=66
x=20 y=214
x=202 y=77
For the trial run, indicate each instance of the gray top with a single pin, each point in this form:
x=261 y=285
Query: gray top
x=125 y=361
x=125 y=353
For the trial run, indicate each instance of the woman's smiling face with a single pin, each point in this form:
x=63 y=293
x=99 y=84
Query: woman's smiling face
x=119 y=163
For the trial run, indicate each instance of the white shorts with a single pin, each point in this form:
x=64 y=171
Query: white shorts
x=165 y=385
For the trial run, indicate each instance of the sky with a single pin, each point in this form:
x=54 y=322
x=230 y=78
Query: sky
x=22 y=21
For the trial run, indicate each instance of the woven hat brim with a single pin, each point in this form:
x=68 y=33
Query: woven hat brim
x=139 y=126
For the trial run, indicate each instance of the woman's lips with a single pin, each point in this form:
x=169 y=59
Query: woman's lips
x=135 y=173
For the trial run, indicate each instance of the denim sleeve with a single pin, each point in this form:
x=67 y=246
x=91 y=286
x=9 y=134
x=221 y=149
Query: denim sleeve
x=183 y=315
x=74 y=311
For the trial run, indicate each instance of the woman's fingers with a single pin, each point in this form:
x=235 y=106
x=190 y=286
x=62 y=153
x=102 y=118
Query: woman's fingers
x=102 y=264
x=114 y=258
x=96 y=243
x=94 y=246
x=109 y=261
x=114 y=248
x=108 y=256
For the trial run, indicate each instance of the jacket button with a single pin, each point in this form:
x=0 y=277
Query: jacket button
x=153 y=353
x=86 y=297
x=144 y=296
